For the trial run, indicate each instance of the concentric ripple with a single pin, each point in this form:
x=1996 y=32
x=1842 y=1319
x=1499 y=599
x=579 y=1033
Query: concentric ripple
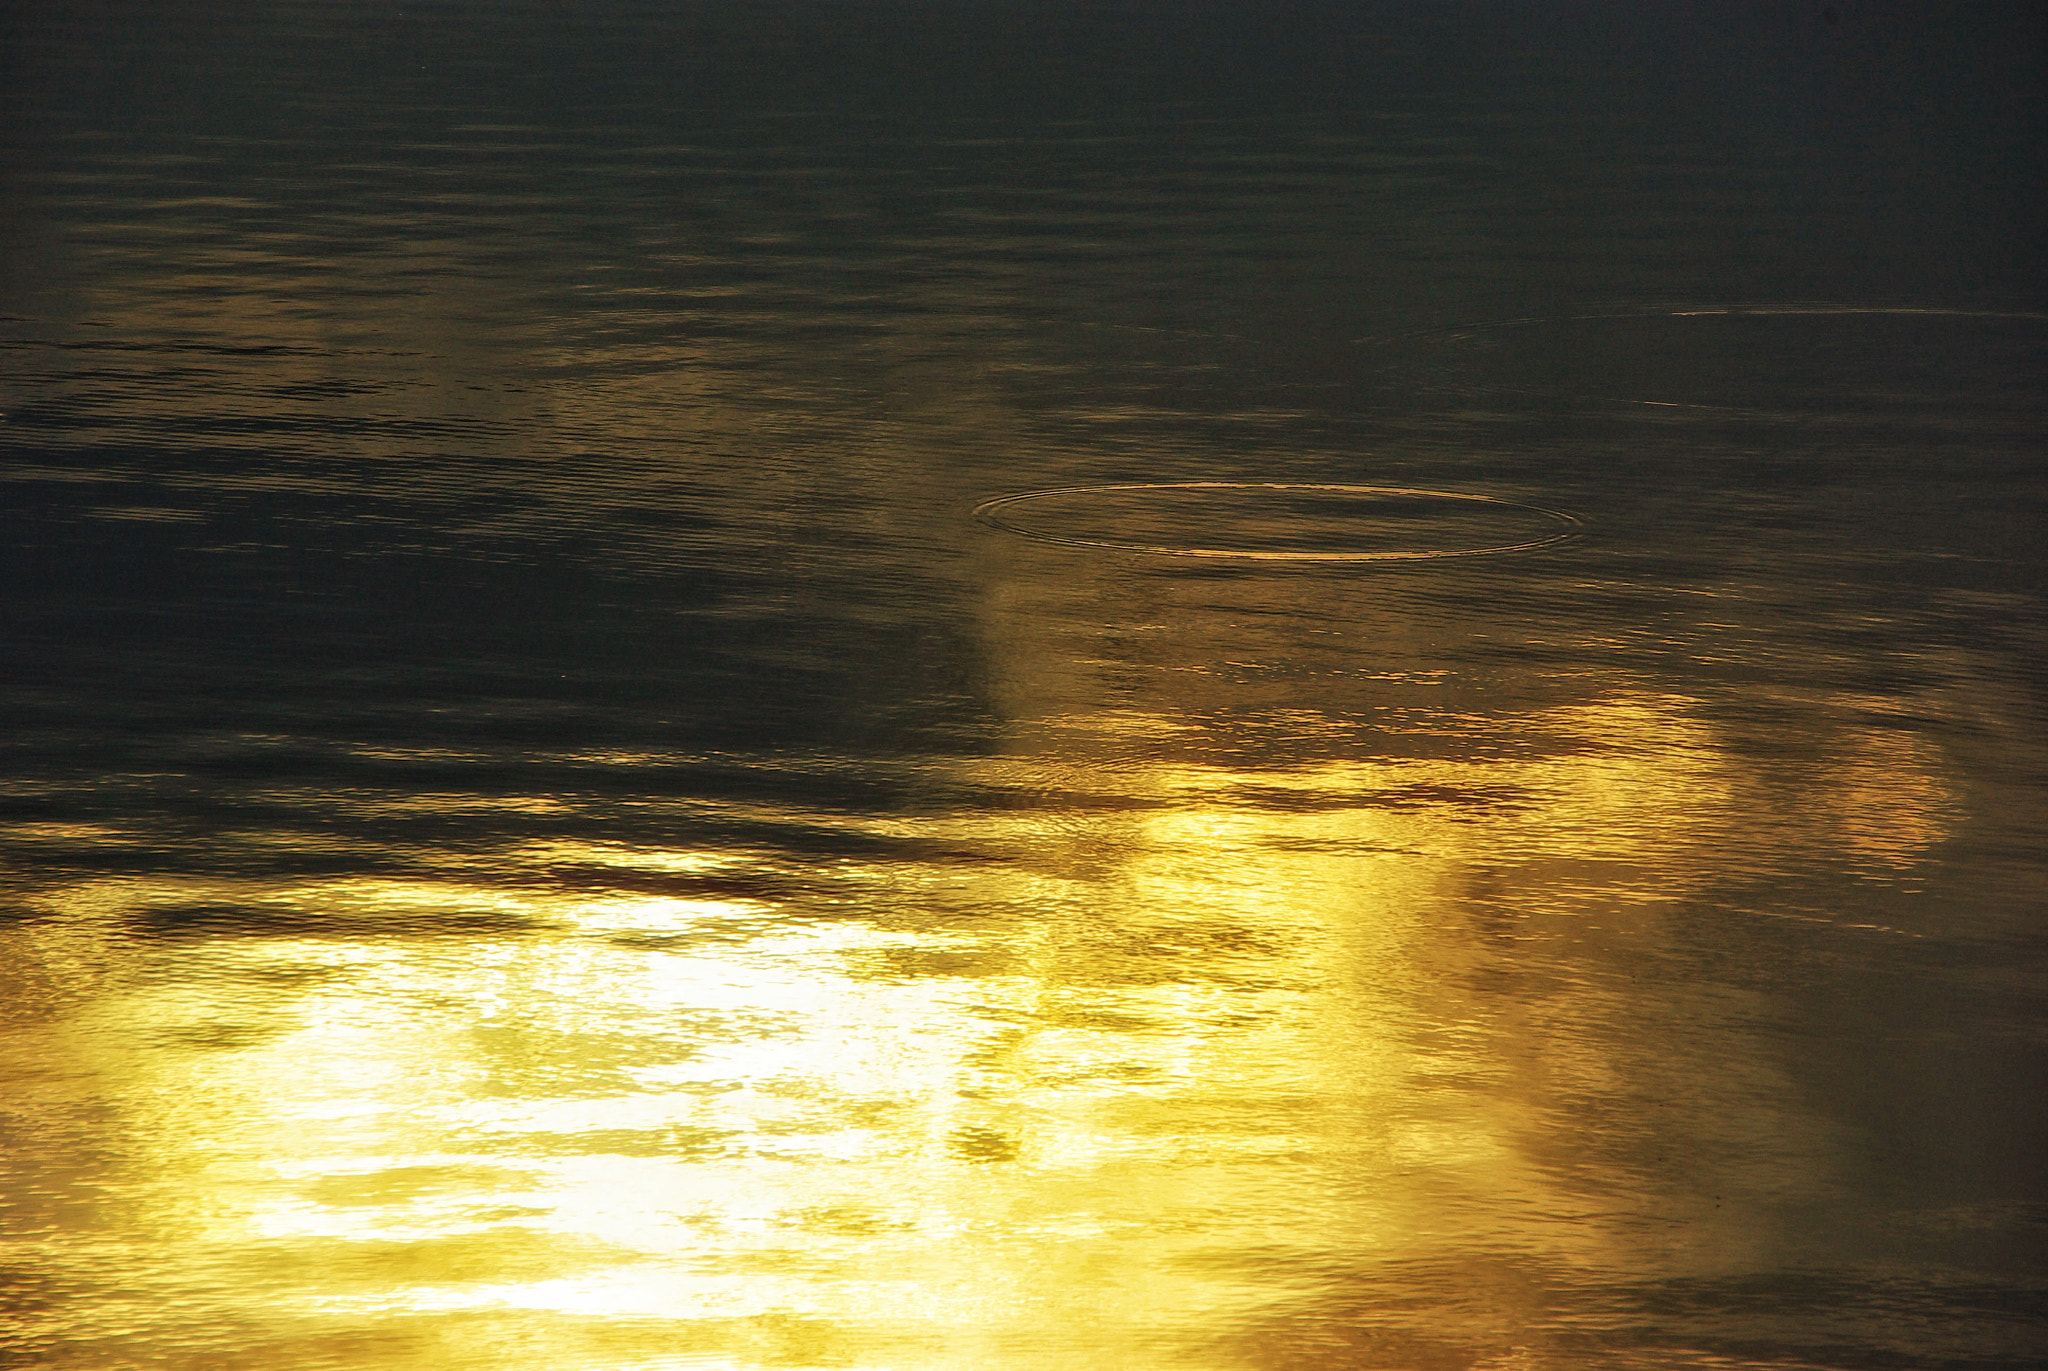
x=1278 y=521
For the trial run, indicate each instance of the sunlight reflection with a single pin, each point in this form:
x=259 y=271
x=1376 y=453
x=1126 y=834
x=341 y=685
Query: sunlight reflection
x=1085 y=1082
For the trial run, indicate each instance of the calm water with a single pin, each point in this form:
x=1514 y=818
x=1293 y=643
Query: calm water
x=542 y=832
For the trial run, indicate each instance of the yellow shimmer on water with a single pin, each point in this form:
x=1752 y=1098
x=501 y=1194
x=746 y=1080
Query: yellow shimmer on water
x=1103 y=1097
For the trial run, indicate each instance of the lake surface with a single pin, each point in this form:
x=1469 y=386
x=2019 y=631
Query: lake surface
x=542 y=831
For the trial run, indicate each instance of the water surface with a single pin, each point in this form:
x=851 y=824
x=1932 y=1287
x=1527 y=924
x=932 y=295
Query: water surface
x=542 y=832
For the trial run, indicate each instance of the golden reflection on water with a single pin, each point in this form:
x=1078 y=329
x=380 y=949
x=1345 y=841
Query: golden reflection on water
x=1185 y=1032
x=1317 y=973
x=1268 y=959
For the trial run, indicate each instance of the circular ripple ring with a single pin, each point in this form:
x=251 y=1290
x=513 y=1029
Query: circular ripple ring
x=992 y=512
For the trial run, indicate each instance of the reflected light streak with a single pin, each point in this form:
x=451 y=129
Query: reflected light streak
x=1093 y=1096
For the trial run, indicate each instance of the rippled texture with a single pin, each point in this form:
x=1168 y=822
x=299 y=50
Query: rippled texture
x=541 y=832
x=1277 y=521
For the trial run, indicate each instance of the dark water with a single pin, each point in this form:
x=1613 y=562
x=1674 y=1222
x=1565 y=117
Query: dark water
x=542 y=832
